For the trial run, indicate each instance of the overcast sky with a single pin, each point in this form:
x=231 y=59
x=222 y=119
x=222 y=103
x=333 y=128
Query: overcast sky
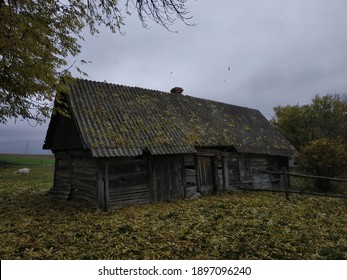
x=252 y=53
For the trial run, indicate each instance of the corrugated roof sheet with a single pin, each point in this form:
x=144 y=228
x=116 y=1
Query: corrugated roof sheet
x=117 y=120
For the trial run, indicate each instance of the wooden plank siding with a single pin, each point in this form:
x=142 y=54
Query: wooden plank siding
x=168 y=180
x=190 y=175
x=225 y=175
x=233 y=171
x=66 y=135
x=61 y=185
x=128 y=182
x=101 y=198
x=75 y=177
x=83 y=179
x=206 y=175
x=109 y=183
x=260 y=180
x=257 y=163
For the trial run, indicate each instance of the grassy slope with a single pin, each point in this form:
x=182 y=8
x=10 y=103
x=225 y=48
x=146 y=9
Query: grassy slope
x=228 y=226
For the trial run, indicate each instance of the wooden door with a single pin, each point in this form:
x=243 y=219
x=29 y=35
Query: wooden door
x=168 y=182
x=205 y=175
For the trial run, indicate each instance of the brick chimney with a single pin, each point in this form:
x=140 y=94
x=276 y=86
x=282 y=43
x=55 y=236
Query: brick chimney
x=178 y=90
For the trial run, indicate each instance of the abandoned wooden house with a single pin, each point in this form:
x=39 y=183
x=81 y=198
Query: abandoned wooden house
x=123 y=145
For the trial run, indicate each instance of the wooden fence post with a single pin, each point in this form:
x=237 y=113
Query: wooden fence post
x=285 y=182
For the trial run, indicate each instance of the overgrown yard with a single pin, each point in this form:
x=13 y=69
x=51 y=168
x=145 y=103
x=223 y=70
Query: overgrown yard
x=225 y=226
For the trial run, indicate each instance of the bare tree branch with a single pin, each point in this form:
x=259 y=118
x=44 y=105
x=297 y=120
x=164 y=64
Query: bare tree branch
x=163 y=12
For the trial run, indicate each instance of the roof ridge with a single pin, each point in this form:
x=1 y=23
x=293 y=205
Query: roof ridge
x=164 y=92
x=120 y=85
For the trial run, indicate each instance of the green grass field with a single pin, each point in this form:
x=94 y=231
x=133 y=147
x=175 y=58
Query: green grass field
x=224 y=226
x=26 y=160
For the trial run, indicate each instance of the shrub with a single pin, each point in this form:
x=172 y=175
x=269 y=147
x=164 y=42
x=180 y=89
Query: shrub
x=324 y=157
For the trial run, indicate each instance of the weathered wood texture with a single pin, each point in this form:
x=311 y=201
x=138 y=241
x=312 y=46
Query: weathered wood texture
x=61 y=185
x=205 y=173
x=286 y=188
x=117 y=182
x=102 y=201
x=218 y=172
x=190 y=175
x=168 y=180
x=273 y=164
x=127 y=182
x=252 y=177
x=233 y=171
x=259 y=179
x=75 y=177
x=225 y=171
x=84 y=179
x=209 y=170
x=66 y=134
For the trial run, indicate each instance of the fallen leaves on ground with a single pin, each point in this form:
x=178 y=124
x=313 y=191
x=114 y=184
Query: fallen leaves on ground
x=224 y=226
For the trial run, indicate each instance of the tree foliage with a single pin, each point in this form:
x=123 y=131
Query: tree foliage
x=324 y=157
x=37 y=37
x=319 y=132
x=292 y=122
x=325 y=117
x=330 y=116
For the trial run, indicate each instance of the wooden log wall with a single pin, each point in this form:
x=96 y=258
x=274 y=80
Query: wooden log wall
x=114 y=183
x=75 y=177
x=127 y=182
x=62 y=181
x=84 y=179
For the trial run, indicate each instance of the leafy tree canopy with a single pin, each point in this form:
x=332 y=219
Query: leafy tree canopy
x=325 y=117
x=37 y=36
x=319 y=132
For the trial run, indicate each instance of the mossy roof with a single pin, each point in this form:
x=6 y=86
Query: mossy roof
x=115 y=120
